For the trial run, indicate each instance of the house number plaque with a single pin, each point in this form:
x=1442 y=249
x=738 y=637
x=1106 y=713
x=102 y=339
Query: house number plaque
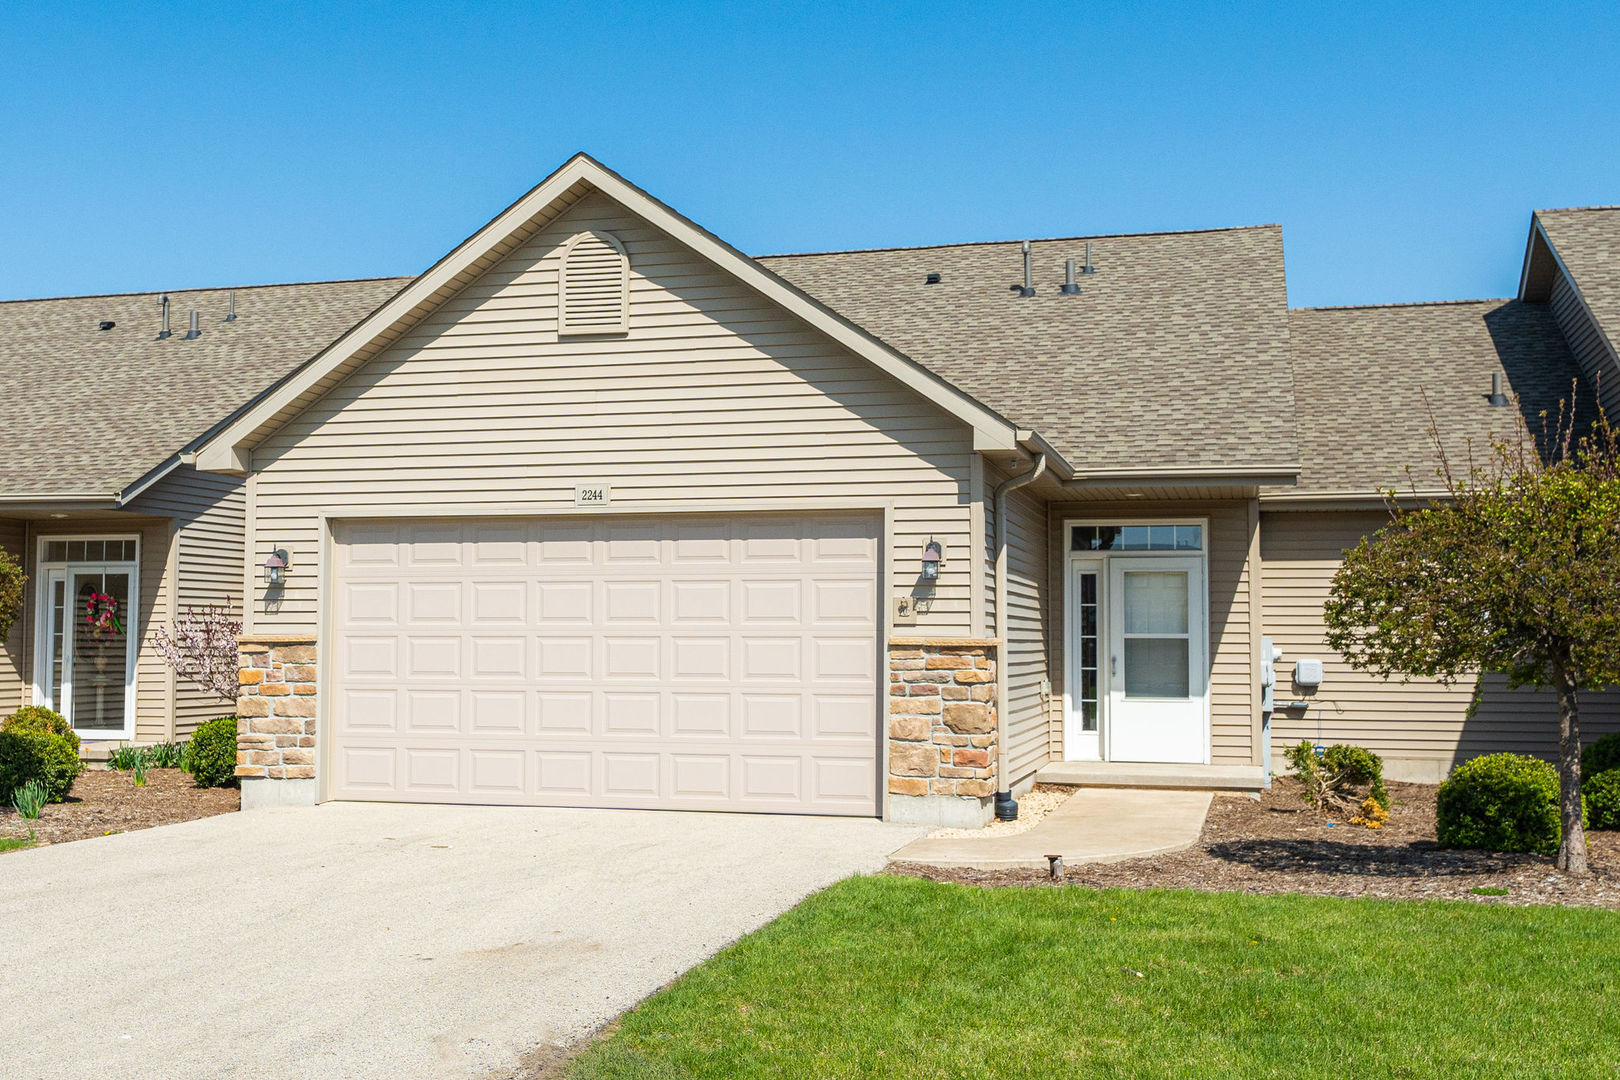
x=592 y=495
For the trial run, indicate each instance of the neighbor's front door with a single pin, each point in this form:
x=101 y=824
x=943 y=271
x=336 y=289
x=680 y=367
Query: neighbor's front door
x=1156 y=648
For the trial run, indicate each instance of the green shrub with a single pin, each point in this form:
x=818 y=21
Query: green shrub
x=51 y=759
x=213 y=752
x=1602 y=794
x=1601 y=756
x=1331 y=776
x=1501 y=802
x=30 y=799
x=37 y=718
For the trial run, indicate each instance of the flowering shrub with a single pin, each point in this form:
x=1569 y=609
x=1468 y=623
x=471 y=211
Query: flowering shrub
x=202 y=648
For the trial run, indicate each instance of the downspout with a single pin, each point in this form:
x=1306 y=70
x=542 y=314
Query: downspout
x=1006 y=808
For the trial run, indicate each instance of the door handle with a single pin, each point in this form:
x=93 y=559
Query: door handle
x=1113 y=665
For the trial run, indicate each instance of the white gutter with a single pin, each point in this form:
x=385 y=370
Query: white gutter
x=1004 y=795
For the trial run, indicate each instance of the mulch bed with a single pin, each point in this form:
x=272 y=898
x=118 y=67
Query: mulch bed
x=106 y=801
x=1279 y=845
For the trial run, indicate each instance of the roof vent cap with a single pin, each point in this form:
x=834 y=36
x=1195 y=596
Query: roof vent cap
x=1070 y=286
x=1497 y=398
x=106 y=324
x=1027 y=289
x=932 y=279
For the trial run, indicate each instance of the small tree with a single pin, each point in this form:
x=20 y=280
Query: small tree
x=202 y=648
x=12 y=580
x=1517 y=571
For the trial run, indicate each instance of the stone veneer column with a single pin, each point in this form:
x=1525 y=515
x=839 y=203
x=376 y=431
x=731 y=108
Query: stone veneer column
x=275 y=727
x=942 y=730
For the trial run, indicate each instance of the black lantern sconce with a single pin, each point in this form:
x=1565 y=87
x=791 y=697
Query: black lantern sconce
x=275 y=567
x=933 y=557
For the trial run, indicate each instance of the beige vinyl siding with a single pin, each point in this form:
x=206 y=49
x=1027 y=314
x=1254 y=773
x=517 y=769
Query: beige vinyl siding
x=1421 y=728
x=1586 y=342
x=209 y=517
x=153 y=689
x=13 y=540
x=1029 y=612
x=714 y=399
x=1234 y=700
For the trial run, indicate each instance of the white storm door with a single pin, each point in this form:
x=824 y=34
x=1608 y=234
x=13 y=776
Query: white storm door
x=1157 y=642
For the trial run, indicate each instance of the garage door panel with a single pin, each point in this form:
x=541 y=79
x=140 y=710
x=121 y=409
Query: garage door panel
x=433 y=603
x=567 y=603
x=435 y=656
x=498 y=712
x=497 y=603
x=430 y=712
x=704 y=663
x=563 y=713
x=632 y=602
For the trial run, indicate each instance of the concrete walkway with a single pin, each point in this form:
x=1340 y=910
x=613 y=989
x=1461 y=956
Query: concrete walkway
x=380 y=941
x=1095 y=825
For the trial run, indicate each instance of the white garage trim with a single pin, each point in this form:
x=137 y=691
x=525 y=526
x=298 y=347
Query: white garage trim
x=663 y=518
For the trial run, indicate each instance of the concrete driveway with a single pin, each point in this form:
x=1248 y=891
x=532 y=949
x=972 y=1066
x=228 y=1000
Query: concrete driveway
x=380 y=940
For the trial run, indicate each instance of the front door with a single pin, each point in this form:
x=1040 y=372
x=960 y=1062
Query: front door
x=1156 y=659
x=87 y=640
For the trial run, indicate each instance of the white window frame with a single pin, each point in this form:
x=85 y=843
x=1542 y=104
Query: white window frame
x=1075 y=741
x=43 y=658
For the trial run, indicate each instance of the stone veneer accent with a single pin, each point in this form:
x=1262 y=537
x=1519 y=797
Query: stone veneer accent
x=942 y=717
x=275 y=707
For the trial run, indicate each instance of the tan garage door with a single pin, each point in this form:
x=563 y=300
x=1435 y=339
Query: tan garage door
x=703 y=663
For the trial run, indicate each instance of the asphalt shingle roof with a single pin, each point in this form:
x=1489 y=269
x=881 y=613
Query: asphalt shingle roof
x=1369 y=383
x=1174 y=354
x=1587 y=239
x=94 y=410
x=1180 y=351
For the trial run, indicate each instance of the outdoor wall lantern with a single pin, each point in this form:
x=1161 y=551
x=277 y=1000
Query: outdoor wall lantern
x=275 y=567
x=933 y=555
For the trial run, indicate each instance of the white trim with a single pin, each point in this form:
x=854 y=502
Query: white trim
x=230 y=449
x=44 y=658
x=1105 y=616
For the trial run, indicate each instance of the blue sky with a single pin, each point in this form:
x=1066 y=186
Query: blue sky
x=1401 y=147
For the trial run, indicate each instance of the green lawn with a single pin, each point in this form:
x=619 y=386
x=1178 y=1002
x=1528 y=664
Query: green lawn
x=897 y=977
x=14 y=843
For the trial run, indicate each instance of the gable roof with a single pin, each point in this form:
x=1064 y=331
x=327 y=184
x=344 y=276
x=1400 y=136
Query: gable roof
x=1585 y=243
x=95 y=410
x=1370 y=382
x=229 y=449
x=1174 y=356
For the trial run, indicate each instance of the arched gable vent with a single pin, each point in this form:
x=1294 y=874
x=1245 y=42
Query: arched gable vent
x=594 y=286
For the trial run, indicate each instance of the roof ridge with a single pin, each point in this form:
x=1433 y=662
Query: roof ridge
x=205 y=288
x=1020 y=240
x=1401 y=304
x=1569 y=209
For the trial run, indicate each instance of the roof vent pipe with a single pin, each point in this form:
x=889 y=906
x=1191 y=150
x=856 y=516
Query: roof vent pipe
x=230 y=314
x=1088 y=268
x=1029 y=274
x=1070 y=286
x=194 y=331
x=1497 y=398
x=165 y=331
